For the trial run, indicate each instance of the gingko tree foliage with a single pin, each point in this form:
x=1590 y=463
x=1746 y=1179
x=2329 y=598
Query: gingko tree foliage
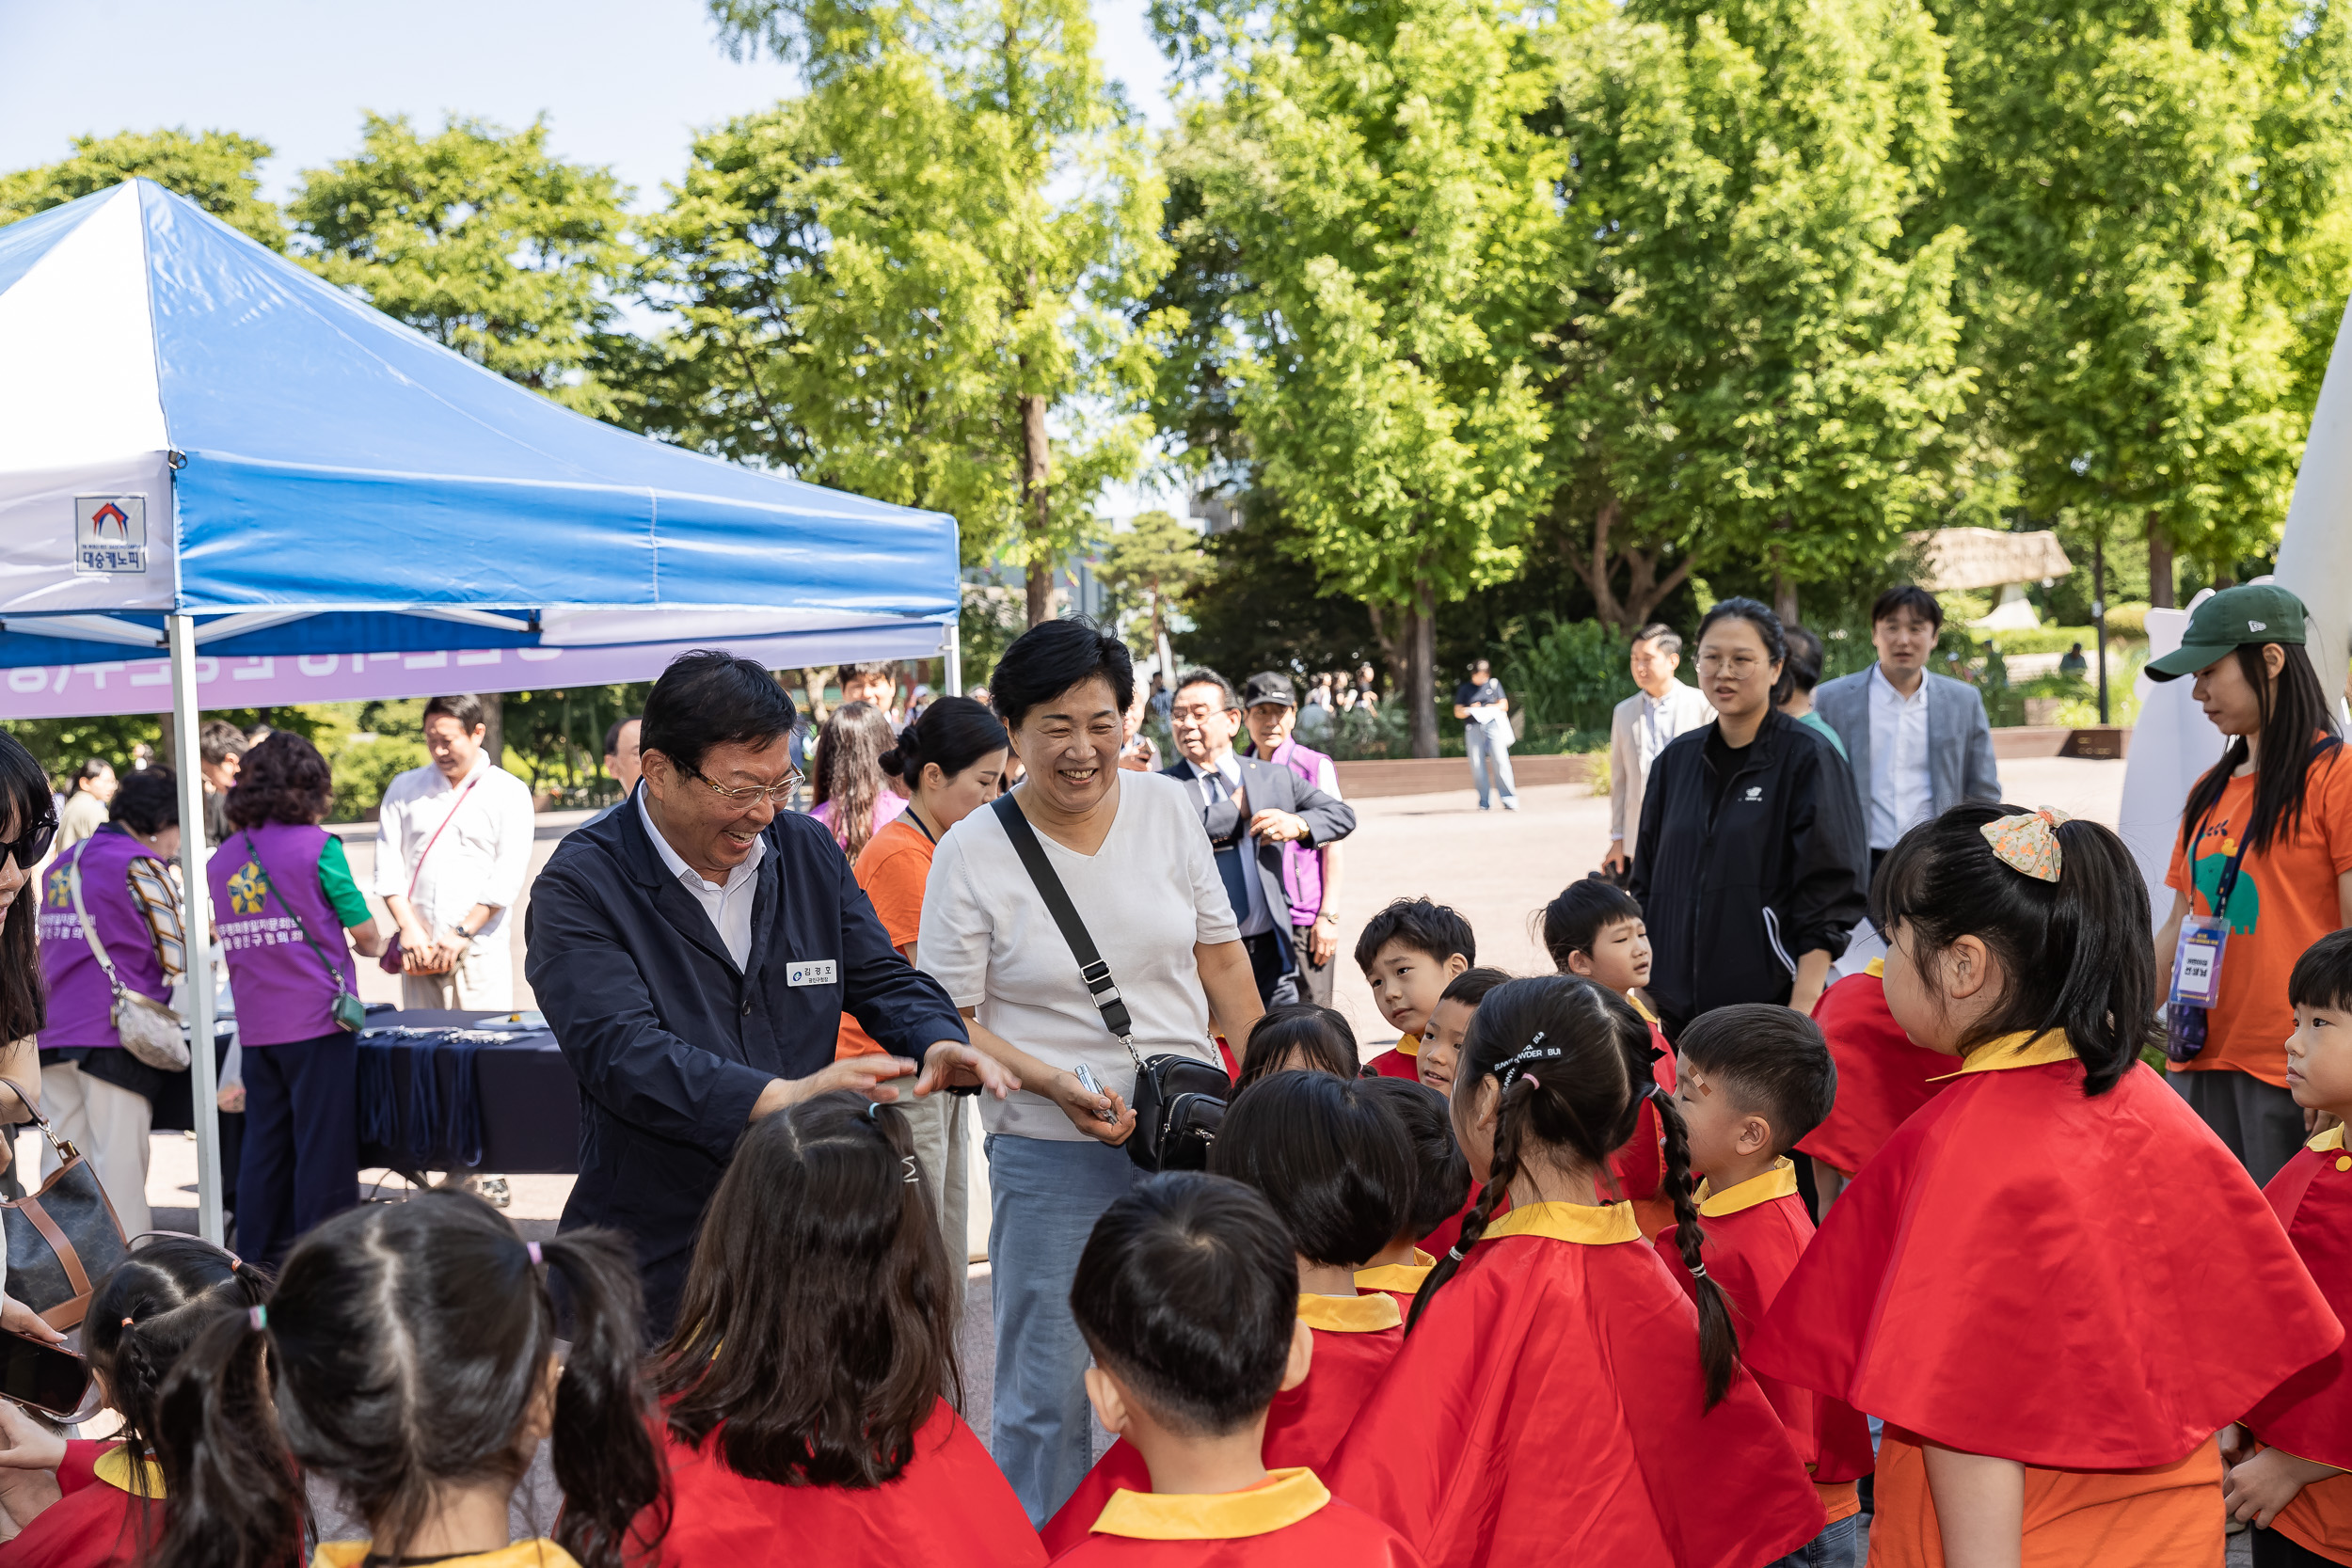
x=216 y=169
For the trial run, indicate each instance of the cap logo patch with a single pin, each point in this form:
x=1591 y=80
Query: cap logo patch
x=2257 y=625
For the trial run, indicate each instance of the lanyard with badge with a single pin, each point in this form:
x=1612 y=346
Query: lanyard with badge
x=2197 y=966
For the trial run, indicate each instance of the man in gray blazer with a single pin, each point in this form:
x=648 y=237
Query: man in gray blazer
x=1919 y=742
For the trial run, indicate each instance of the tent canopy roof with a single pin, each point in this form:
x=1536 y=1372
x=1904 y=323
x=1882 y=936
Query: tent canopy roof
x=1965 y=557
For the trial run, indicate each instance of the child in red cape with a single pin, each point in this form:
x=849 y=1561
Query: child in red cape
x=1337 y=1166
x=1594 y=929
x=109 y=1505
x=1407 y=952
x=2293 y=1491
x=1441 y=1186
x=1440 y=1054
x=1753 y=1079
x=1882 y=1078
x=1188 y=1295
x=1298 y=1036
x=806 y=1392
x=2051 y=1374
x=1559 y=1399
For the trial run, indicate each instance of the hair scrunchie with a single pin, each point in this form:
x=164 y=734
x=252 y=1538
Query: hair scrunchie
x=2027 y=842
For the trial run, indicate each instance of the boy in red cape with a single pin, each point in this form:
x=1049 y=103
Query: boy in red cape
x=2051 y=1372
x=2293 y=1491
x=1187 y=1295
x=1753 y=1080
x=96 y=1521
x=1408 y=952
x=1336 y=1165
x=1882 y=1078
x=1441 y=1190
x=1440 y=1054
x=1559 y=1398
x=1594 y=930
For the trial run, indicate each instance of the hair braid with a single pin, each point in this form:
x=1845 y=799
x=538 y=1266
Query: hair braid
x=1511 y=1116
x=1719 y=1342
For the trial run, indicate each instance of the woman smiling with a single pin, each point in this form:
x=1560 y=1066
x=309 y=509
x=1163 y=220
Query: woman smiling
x=1129 y=848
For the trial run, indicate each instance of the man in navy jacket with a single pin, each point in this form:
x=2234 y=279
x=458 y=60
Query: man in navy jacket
x=693 y=953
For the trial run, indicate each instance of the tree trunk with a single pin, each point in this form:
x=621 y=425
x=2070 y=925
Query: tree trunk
x=1784 y=598
x=2160 y=593
x=1037 y=501
x=494 y=727
x=1644 y=590
x=1395 y=655
x=1421 y=671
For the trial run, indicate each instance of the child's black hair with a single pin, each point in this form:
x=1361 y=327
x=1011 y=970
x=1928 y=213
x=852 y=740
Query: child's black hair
x=1572 y=1057
x=2074 y=954
x=1471 y=985
x=1321 y=1034
x=1441 y=1179
x=1770 y=1060
x=1187 y=1292
x=1572 y=921
x=818 y=1328
x=2322 y=977
x=1331 y=1157
x=1418 y=923
x=402 y=1354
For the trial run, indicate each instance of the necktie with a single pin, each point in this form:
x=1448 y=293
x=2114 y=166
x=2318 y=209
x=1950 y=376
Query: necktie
x=1232 y=869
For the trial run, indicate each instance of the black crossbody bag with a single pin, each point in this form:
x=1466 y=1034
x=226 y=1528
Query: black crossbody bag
x=1178 y=1101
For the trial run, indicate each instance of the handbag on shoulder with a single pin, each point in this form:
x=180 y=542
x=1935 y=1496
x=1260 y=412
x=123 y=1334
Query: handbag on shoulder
x=1179 y=1101
x=63 y=1239
x=150 y=1030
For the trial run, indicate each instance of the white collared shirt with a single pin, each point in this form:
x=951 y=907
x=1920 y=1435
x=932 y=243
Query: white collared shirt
x=1901 y=796
x=1225 y=776
x=729 y=903
x=483 y=856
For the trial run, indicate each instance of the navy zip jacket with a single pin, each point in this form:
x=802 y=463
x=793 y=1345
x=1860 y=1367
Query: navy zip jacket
x=672 y=1043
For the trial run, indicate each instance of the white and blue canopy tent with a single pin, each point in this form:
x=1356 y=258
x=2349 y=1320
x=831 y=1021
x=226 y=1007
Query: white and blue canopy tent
x=208 y=456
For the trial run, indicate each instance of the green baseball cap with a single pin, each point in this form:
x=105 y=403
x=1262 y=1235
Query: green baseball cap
x=2235 y=617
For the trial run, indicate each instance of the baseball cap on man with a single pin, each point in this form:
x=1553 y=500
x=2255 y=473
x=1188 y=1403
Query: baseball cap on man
x=2234 y=618
x=1268 y=688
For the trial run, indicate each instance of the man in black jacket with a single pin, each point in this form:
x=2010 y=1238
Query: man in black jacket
x=693 y=953
x=1250 y=809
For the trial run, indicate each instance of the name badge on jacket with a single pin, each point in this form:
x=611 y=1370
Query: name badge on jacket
x=812 y=972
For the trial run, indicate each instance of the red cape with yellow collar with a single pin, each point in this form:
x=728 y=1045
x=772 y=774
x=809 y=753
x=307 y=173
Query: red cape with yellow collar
x=1403 y=1060
x=1355 y=1338
x=95 y=1524
x=2082 y=1284
x=1754 y=1234
x=1292 y=1521
x=1882 y=1077
x=1548 y=1408
x=2310 y=1415
x=950 y=1504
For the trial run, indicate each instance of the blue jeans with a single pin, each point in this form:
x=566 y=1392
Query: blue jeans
x=1044 y=1196
x=1835 y=1548
x=1483 y=748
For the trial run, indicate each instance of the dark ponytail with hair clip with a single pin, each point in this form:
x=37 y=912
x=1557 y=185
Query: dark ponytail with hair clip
x=953 y=732
x=402 y=1353
x=1573 y=1059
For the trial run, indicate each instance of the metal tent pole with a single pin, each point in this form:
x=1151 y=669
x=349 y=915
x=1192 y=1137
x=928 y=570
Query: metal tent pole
x=951 y=649
x=195 y=898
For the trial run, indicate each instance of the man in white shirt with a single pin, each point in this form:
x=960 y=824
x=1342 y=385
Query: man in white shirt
x=1639 y=729
x=452 y=848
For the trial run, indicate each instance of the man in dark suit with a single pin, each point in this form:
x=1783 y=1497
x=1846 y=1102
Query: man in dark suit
x=1250 y=810
x=693 y=953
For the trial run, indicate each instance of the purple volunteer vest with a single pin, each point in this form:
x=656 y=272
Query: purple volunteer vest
x=281 y=987
x=1302 y=866
x=81 y=1002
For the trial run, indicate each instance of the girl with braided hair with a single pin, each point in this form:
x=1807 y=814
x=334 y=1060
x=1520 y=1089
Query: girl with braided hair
x=1606 y=1406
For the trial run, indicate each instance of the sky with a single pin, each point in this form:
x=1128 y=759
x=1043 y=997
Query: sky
x=624 y=83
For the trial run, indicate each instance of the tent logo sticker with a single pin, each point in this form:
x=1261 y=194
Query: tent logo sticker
x=109 y=534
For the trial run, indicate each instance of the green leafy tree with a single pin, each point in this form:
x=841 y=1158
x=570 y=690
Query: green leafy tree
x=913 y=281
x=483 y=240
x=2155 y=194
x=1156 y=560
x=216 y=169
x=1759 y=354
x=1372 y=176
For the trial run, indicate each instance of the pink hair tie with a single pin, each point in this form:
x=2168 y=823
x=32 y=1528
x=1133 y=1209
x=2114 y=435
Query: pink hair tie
x=258 y=1317
x=532 y=1247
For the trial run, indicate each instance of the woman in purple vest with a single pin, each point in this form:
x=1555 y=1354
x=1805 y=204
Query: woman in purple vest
x=98 y=1094
x=1310 y=876
x=282 y=898
x=28 y=824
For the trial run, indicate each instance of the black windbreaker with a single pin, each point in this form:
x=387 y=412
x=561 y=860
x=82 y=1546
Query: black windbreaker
x=1733 y=899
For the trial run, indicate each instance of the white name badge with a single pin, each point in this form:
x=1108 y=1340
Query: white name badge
x=812 y=972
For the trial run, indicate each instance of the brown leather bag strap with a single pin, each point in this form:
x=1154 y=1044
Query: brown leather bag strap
x=75 y=1274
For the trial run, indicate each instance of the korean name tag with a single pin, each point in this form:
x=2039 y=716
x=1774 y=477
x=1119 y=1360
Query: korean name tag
x=812 y=972
x=2197 y=962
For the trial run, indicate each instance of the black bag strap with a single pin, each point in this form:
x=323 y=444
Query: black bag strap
x=334 y=975
x=1091 y=969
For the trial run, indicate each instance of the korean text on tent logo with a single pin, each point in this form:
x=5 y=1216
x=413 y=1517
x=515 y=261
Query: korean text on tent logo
x=109 y=534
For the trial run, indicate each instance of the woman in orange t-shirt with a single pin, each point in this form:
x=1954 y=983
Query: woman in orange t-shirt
x=2279 y=803
x=950 y=760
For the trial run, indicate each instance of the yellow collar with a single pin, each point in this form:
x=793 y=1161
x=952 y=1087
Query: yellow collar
x=2323 y=1142
x=1875 y=969
x=1779 y=1181
x=1569 y=1222
x=1287 y=1496
x=1350 y=1314
x=1408 y=1045
x=1397 y=1276
x=114 y=1468
x=1648 y=1017
x=520 y=1554
x=2001 y=1054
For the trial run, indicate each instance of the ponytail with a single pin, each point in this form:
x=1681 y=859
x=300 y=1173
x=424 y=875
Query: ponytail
x=237 y=1498
x=1719 y=1342
x=1510 y=1118
x=603 y=1449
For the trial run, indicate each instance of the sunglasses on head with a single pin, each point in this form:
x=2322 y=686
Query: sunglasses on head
x=28 y=847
